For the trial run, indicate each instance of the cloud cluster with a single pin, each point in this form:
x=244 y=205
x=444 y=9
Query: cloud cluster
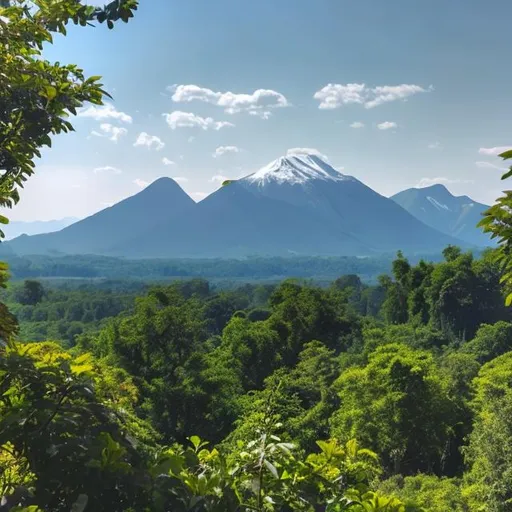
x=180 y=179
x=357 y=124
x=306 y=151
x=114 y=133
x=179 y=119
x=337 y=95
x=104 y=112
x=387 y=125
x=232 y=103
x=222 y=150
x=494 y=151
x=149 y=141
x=166 y=161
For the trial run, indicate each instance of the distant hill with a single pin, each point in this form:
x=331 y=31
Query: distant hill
x=99 y=232
x=16 y=228
x=437 y=207
x=296 y=205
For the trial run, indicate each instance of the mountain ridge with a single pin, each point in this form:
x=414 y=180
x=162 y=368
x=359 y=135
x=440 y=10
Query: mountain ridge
x=453 y=215
x=296 y=204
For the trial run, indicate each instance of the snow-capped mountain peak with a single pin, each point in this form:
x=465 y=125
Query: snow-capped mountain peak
x=296 y=169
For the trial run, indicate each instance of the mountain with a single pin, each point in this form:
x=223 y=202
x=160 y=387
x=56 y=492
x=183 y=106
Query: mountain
x=294 y=205
x=457 y=216
x=162 y=199
x=16 y=228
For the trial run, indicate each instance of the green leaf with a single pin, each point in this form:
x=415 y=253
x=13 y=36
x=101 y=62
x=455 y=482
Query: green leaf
x=271 y=468
x=506 y=155
x=51 y=92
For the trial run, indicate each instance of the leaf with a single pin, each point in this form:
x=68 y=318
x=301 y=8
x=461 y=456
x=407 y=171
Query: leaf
x=271 y=468
x=51 y=92
x=80 y=504
x=506 y=155
x=507 y=174
x=508 y=300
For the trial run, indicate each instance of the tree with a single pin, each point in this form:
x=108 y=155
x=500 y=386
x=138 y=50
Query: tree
x=37 y=96
x=489 y=452
x=32 y=293
x=397 y=406
x=66 y=432
x=497 y=222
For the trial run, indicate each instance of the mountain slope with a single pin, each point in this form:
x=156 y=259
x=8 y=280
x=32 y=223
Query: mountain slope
x=16 y=228
x=435 y=206
x=294 y=205
x=158 y=202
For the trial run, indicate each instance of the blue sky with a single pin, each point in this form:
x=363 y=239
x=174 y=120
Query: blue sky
x=220 y=88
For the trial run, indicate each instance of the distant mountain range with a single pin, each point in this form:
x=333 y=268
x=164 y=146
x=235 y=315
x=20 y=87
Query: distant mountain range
x=457 y=216
x=296 y=205
x=16 y=228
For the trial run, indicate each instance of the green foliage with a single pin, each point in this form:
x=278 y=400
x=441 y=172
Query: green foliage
x=37 y=96
x=396 y=405
x=426 y=493
x=31 y=294
x=66 y=436
x=497 y=222
x=263 y=372
x=489 y=454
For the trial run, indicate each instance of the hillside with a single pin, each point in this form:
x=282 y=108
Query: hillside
x=437 y=207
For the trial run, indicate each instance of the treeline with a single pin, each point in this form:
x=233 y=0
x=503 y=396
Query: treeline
x=91 y=267
x=393 y=397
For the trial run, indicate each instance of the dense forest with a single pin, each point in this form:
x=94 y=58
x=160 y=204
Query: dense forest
x=392 y=397
x=255 y=268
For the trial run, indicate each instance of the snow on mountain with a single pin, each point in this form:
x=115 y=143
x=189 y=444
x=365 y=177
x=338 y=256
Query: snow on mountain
x=437 y=207
x=437 y=204
x=296 y=169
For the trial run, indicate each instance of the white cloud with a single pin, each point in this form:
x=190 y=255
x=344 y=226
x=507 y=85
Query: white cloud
x=107 y=168
x=357 y=124
x=435 y=145
x=427 y=182
x=191 y=139
x=494 y=151
x=166 y=161
x=178 y=119
x=180 y=179
x=150 y=141
x=336 y=95
x=103 y=112
x=199 y=195
x=489 y=165
x=260 y=99
x=218 y=178
x=387 y=125
x=306 y=151
x=262 y=114
x=222 y=150
x=140 y=183
x=387 y=93
x=114 y=132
